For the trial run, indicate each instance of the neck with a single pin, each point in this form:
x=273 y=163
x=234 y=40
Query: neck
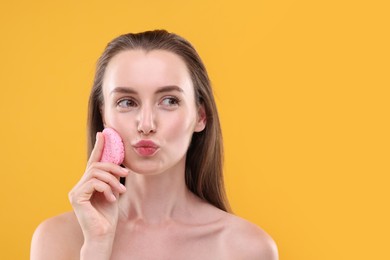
x=155 y=198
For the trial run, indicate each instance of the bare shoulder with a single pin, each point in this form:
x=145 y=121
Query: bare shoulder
x=59 y=237
x=245 y=240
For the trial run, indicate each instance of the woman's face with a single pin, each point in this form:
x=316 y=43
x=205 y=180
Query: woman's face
x=149 y=100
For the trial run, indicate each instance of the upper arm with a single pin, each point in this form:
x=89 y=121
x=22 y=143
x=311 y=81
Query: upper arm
x=55 y=239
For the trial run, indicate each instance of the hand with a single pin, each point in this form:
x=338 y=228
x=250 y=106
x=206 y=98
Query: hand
x=95 y=197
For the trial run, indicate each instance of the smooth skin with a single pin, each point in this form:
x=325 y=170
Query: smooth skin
x=148 y=96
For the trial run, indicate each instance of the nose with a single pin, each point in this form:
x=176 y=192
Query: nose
x=146 y=121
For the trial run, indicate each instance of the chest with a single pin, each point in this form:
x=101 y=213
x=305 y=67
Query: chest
x=170 y=243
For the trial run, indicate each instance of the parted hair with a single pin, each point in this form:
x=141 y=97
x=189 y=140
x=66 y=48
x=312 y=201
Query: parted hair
x=204 y=159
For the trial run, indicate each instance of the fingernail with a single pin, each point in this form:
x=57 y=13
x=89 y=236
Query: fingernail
x=123 y=187
x=113 y=198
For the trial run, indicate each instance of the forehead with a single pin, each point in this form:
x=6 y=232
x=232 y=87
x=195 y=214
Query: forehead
x=146 y=70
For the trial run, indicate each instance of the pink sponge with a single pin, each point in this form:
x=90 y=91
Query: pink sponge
x=113 y=150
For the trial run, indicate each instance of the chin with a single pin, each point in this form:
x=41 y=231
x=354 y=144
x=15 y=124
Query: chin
x=143 y=168
x=153 y=167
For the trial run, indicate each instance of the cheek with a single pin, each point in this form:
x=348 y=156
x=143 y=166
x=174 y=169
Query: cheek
x=179 y=128
x=111 y=119
x=122 y=123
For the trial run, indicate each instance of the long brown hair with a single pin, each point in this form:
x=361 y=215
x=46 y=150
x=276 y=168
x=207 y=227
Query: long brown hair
x=204 y=162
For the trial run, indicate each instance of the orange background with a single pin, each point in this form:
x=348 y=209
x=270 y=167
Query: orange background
x=302 y=89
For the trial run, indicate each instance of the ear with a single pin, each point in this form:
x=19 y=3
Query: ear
x=201 y=119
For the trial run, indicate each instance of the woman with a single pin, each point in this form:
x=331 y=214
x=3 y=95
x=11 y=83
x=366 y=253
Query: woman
x=153 y=89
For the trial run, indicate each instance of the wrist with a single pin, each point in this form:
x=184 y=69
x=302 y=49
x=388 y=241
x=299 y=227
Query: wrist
x=96 y=250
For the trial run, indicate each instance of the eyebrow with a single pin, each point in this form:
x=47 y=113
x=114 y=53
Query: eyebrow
x=128 y=90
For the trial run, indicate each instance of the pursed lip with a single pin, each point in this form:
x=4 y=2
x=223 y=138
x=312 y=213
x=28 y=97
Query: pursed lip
x=145 y=144
x=146 y=147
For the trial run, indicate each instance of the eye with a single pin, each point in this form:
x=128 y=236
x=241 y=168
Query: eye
x=126 y=103
x=170 y=101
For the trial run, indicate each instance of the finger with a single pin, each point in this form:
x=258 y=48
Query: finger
x=97 y=151
x=104 y=176
x=85 y=192
x=110 y=180
x=111 y=168
x=105 y=189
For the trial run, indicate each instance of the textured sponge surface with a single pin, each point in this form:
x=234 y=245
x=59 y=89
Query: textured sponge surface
x=113 y=150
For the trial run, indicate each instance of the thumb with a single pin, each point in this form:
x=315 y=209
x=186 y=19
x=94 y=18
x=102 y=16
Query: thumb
x=97 y=151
